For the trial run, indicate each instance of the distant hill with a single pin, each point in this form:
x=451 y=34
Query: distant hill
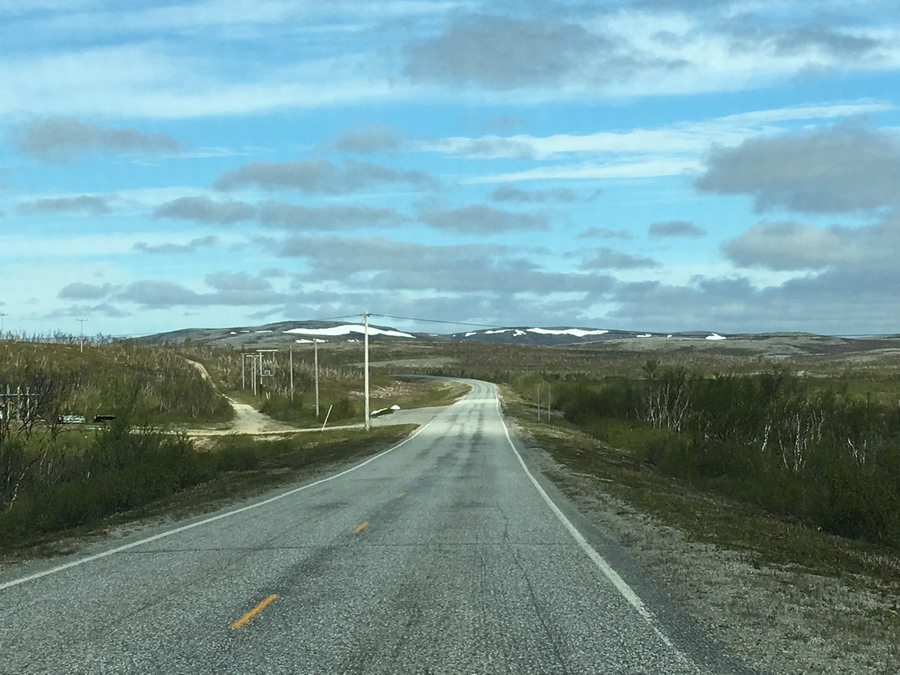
x=282 y=332
x=562 y=335
x=772 y=345
x=329 y=331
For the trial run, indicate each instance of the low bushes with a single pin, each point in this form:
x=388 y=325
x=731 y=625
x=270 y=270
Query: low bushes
x=120 y=470
x=127 y=469
x=771 y=439
x=283 y=407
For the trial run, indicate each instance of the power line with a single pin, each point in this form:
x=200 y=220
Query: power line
x=335 y=318
x=452 y=323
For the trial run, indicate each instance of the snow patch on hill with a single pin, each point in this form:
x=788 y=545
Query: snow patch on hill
x=347 y=329
x=576 y=332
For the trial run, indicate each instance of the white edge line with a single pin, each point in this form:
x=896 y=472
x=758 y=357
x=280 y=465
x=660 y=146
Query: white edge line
x=205 y=521
x=624 y=589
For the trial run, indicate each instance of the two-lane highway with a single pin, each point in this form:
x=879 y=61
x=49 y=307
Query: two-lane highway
x=443 y=554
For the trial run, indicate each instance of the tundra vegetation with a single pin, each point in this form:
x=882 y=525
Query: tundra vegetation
x=58 y=474
x=825 y=450
x=821 y=444
x=815 y=439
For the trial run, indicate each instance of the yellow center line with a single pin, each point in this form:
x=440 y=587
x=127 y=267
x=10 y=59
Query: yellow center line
x=401 y=494
x=359 y=528
x=253 y=612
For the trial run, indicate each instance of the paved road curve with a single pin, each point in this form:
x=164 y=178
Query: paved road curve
x=442 y=555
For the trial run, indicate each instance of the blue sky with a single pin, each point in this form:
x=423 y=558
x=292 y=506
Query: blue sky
x=656 y=165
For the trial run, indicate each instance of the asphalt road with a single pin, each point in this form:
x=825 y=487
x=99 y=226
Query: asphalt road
x=445 y=554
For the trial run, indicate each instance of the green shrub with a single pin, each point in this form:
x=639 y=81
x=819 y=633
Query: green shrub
x=237 y=456
x=121 y=469
x=280 y=406
x=345 y=409
x=770 y=439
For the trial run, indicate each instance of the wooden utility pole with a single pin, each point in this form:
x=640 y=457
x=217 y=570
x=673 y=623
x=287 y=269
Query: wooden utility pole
x=81 y=340
x=316 y=362
x=366 y=317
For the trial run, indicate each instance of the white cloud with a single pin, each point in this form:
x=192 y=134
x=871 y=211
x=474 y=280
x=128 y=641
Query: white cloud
x=191 y=16
x=675 y=149
x=155 y=80
x=643 y=169
x=483 y=219
x=713 y=59
x=319 y=176
x=790 y=245
x=817 y=111
x=157 y=76
x=58 y=140
x=128 y=201
x=59 y=247
x=845 y=167
x=690 y=138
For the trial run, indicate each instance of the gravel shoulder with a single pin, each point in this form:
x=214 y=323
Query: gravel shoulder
x=779 y=618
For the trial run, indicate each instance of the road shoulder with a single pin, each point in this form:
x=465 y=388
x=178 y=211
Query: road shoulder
x=776 y=617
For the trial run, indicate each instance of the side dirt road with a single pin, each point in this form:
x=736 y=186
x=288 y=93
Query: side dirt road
x=783 y=597
x=247 y=419
x=250 y=421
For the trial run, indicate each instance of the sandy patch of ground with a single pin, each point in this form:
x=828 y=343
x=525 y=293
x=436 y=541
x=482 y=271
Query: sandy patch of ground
x=247 y=419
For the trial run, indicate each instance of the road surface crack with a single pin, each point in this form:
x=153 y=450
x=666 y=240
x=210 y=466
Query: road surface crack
x=557 y=651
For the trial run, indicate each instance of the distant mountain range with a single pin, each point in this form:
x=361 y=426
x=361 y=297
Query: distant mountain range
x=329 y=331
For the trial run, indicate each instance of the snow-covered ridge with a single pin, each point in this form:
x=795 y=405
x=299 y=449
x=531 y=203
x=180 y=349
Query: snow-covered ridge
x=347 y=329
x=518 y=332
x=307 y=332
x=577 y=332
